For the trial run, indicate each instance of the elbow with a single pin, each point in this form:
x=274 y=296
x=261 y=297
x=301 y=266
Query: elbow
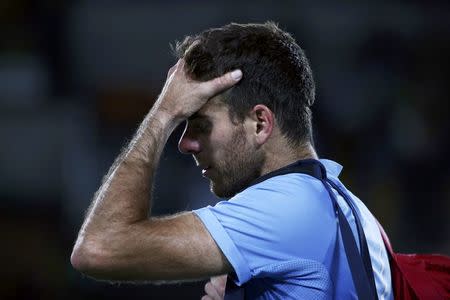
x=79 y=259
x=89 y=260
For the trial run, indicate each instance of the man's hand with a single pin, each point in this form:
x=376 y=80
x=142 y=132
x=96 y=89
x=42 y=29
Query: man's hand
x=181 y=96
x=215 y=288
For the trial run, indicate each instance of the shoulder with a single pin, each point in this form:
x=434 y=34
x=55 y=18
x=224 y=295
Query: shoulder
x=283 y=218
x=279 y=210
x=291 y=193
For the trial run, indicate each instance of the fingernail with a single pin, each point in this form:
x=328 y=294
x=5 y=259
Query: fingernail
x=236 y=75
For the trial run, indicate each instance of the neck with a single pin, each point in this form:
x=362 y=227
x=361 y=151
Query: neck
x=306 y=151
x=277 y=160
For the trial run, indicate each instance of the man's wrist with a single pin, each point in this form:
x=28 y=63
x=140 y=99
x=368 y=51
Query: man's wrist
x=166 y=118
x=154 y=130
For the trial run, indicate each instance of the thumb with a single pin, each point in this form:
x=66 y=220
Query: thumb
x=223 y=82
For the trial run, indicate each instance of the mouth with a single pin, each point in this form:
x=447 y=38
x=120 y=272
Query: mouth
x=205 y=171
x=203 y=166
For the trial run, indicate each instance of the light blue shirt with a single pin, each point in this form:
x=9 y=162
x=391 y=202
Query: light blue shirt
x=282 y=240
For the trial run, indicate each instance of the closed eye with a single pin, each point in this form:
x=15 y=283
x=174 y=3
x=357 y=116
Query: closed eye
x=201 y=126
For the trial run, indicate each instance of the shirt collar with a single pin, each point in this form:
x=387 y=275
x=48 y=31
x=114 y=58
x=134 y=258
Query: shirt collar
x=332 y=167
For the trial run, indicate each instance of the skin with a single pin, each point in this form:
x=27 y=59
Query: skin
x=120 y=240
x=215 y=288
x=221 y=149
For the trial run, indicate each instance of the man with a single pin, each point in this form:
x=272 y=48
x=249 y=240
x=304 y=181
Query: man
x=245 y=91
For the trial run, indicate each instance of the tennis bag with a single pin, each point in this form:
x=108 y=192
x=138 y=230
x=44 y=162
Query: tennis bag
x=414 y=276
x=418 y=276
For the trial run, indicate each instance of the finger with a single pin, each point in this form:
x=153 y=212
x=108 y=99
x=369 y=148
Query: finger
x=178 y=65
x=210 y=289
x=206 y=297
x=220 y=282
x=171 y=70
x=181 y=64
x=219 y=84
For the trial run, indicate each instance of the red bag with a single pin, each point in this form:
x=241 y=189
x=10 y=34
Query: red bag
x=418 y=276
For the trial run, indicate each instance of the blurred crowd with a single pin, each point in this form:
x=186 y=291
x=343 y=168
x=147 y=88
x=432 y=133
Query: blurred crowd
x=77 y=77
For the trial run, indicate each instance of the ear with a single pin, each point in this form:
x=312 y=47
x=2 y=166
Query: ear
x=263 y=123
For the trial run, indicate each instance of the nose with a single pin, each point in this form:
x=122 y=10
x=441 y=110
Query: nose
x=188 y=143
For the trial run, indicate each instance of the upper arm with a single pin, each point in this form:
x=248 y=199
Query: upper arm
x=176 y=247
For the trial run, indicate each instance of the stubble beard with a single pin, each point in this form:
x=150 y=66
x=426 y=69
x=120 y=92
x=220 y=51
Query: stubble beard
x=239 y=167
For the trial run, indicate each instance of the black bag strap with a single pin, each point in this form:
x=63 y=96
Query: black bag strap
x=359 y=263
x=365 y=255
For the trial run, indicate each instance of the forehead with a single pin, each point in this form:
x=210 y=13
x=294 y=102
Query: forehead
x=213 y=109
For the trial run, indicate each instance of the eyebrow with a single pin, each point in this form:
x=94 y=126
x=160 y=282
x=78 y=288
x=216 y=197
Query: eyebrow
x=198 y=115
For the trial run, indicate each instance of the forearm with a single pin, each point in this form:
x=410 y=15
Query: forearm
x=124 y=197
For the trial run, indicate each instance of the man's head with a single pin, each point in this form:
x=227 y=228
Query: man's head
x=274 y=95
x=276 y=72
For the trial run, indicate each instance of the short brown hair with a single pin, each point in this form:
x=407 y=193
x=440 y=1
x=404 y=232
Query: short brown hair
x=276 y=72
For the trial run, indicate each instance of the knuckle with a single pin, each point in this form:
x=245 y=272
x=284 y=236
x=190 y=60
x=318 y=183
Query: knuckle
x=206 y=90
x=222 y=81
x=208 y=287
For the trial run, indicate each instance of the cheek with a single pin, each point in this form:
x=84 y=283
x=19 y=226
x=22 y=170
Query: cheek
x=220 y=146
x=219 y=138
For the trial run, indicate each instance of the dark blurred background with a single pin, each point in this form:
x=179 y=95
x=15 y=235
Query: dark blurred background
x=77 y=77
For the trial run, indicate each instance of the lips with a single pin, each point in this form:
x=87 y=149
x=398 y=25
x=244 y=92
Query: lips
x=206 y=170
x=203 y=166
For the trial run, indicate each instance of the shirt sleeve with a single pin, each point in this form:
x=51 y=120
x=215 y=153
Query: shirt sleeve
x=270 y=223
x=225 y=243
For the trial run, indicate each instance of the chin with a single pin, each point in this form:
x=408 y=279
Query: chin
x=227 y=191
x=221 y=192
